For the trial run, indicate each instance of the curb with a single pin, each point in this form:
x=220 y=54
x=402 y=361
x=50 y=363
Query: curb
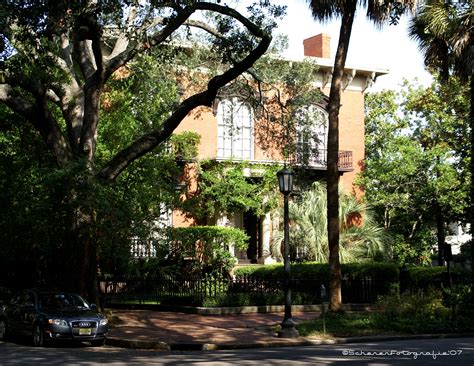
x=136 y=344
x=201 y=346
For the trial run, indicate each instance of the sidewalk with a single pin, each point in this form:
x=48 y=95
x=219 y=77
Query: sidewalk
x=171 y=330
x=163 y=330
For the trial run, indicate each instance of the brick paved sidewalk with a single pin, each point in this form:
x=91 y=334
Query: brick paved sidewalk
x=163 y=330
x=157 y=329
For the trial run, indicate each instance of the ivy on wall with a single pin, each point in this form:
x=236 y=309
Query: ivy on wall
x=228 y=187
x=185 y=145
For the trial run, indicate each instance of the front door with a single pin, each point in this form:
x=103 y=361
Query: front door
x=251 y=227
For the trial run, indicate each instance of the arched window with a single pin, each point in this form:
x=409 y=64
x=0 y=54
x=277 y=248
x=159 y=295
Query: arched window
x=234 y=130
x=312 y=135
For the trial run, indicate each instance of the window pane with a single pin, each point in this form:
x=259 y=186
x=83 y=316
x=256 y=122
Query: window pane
x=235 y=125
x=312 y=135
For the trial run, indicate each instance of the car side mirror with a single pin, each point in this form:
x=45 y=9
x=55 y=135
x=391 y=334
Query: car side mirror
x=93 y=306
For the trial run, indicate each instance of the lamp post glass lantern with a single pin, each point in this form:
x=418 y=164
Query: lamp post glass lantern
x=285 y=182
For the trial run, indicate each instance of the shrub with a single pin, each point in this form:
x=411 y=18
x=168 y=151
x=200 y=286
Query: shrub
x=422 y=277
x=419 y=312
x=209 y=245
x=460 y=297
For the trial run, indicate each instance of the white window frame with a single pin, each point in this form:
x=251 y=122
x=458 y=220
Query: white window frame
x=235 y=138
x=312 y=134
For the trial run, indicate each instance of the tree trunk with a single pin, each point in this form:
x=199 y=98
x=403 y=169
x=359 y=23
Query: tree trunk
x=471 y=168
x=88 y=249
x=335 y=280
x=441 y=234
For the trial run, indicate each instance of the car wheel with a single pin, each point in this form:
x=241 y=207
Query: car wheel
x=38 y=336
x=98 y=342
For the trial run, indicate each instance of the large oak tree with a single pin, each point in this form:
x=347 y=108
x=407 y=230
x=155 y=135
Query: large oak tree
x=58 y=56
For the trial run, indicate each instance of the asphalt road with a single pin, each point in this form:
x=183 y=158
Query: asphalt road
x=456 y=352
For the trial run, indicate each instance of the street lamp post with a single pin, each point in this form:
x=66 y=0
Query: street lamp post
x=285 y=183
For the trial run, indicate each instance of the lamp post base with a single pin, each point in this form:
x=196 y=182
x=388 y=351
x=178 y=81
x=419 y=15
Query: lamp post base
x=288 y=329
x=288 y=333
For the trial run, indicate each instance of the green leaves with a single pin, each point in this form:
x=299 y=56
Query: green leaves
x=360 y=237
x=209 y=245
x=416 y=149
x=225 y=188
x=443 y=30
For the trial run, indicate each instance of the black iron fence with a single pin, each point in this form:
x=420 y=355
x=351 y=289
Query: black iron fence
x=195 y=291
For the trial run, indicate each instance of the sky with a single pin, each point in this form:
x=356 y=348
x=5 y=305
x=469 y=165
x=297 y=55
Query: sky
x=388 y=48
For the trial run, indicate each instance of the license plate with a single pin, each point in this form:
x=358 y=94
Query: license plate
x=84 y=331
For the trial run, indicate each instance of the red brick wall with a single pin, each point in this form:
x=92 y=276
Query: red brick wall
x=351 y=132
x=318 y=46
x=204 y=123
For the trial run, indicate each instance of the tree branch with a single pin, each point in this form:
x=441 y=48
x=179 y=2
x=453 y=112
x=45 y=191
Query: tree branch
x=19 y=105
x=149 y=141
x=173 y=24
x=169 y=28
x=66 y=53
x=39 y=116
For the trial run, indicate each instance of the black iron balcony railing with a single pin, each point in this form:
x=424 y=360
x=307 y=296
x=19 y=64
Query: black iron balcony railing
x=317 y=159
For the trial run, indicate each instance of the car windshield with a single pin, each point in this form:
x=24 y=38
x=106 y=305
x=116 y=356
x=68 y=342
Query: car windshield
x=61 y=301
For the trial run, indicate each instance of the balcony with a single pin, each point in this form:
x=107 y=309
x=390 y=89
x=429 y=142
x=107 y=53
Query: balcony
x=315 y=162
x=318 y=160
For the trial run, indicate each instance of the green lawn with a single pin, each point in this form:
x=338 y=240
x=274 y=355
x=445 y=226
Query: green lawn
x=338 y=325
x=365 y=324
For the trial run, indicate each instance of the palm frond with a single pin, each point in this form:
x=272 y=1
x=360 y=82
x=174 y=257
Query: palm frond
x=359 y=239
x=377 y=10
x=325 y=10
x=444 y=33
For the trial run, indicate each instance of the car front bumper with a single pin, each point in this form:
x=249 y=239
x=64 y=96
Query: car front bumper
x=57 y=332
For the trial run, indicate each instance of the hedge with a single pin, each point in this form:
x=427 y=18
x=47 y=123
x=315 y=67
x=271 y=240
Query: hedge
x=420 y=277
x=378 y=271
x=425 y=277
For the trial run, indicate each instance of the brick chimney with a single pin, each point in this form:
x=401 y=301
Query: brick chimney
x=318 y=46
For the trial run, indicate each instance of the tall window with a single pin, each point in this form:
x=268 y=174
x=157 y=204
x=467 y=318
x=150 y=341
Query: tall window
x=312 y=136
x=234 y=130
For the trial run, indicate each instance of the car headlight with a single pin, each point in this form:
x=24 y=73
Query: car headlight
x=103 y=321
x=58 y=322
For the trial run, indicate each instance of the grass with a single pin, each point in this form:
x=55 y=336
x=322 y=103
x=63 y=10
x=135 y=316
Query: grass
x=369 y=324
x=341 y=325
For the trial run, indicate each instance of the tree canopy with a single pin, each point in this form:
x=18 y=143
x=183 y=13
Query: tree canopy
x=63 y=74
x=416 y=166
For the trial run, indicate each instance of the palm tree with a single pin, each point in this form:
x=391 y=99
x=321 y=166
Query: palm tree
x=360 y=237
x=444 y=31
x=323 y=10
